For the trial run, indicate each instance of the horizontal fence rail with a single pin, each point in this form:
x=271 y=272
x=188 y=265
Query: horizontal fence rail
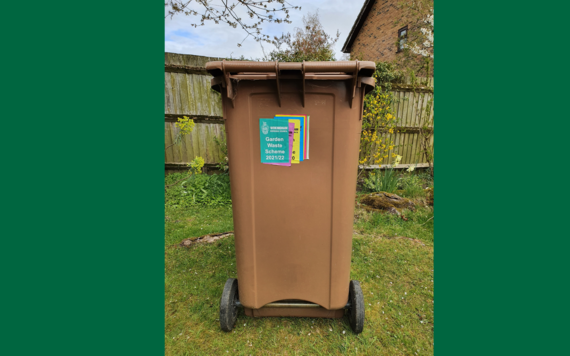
x=203 y=119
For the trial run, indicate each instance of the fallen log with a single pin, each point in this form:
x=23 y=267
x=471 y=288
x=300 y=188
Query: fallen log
x=386 y=202
x=206 y=238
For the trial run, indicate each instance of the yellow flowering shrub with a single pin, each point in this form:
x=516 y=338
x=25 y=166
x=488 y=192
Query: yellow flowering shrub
x=378 y=121
x=185 y=124
x=196 y=165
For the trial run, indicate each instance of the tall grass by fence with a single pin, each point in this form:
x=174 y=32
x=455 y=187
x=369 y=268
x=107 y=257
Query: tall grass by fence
x=187 y=93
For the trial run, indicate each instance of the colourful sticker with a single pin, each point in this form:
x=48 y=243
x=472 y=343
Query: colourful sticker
x=296 y=140
x=274 y=141
x=291 y=132
x=302 y=133
x=305 y=130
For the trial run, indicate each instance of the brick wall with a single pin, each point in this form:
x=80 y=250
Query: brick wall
x=376 y=40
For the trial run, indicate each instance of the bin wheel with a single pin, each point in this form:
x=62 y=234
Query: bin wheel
x=356 y=310
x=228 y=305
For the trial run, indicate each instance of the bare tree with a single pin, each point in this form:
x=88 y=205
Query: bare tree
x=227 y=11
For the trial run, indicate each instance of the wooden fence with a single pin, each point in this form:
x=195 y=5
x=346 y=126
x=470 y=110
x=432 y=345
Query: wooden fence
x=410 y=107
x=187 y=93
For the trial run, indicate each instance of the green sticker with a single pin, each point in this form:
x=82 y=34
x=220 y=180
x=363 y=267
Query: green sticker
x=274 y=141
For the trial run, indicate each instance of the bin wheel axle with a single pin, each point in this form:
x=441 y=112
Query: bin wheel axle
x=230 y=303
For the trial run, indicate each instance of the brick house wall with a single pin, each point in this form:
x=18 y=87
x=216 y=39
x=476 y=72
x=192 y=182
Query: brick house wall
x=374 y=35
x=376 y=40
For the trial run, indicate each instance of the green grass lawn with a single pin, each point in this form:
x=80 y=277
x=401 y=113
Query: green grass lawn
x=392 y=259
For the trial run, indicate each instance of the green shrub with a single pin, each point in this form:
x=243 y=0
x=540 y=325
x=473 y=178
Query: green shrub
x=386 y=181
x=174 y=177
x=426 y=178
x=382 y=181
x=411 y=184
x=198 y=190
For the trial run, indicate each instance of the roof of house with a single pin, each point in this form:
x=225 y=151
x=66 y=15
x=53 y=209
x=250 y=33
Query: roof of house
x=357 y=25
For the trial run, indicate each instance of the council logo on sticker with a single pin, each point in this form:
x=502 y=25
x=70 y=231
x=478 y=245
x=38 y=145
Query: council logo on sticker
x=265 y=128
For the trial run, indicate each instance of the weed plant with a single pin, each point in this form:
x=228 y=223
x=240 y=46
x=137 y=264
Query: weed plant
x=198 y=190
x=411 y=185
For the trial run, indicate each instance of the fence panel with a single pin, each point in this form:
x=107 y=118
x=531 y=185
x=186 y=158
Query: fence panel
x=410 y=107
x=187 y=93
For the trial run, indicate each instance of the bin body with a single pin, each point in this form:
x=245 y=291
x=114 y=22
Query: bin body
x=293 y=225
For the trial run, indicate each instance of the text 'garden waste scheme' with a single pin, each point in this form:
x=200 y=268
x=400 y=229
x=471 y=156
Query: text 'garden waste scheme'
x=284 y=139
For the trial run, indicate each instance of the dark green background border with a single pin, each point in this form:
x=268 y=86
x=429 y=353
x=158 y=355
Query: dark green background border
x=82 y=193
x=501 y=247
x=82 y=141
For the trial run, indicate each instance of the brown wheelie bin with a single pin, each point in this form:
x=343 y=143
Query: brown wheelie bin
x=293 y=225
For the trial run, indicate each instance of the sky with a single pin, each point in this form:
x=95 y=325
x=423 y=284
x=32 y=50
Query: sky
x=221 y=40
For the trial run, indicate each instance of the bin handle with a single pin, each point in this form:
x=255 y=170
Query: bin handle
x=354 y=82
x=227 y=83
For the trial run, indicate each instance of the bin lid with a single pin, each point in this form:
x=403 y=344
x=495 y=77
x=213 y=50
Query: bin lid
x=359 y=73
x=365 y=68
